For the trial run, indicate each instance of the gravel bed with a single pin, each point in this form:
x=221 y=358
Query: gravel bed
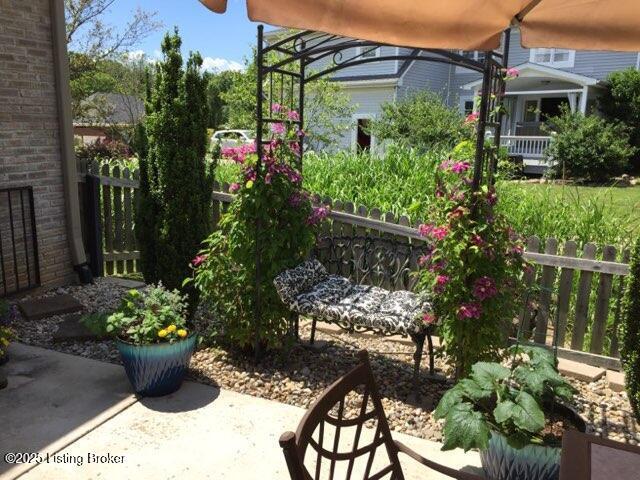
x=299 y=376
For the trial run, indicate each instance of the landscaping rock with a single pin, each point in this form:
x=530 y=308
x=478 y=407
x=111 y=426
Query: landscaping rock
x=298 y=376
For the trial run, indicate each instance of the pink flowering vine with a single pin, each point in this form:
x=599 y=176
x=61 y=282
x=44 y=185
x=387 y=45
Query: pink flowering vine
x=429 y=318
x=469 y=310
x=484 y=287
x=198 y=260
x=278 y=128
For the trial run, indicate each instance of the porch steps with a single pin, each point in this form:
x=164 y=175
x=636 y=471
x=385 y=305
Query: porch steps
x=37 y=308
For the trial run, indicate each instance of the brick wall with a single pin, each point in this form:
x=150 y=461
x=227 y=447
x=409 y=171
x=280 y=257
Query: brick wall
x=29 y=131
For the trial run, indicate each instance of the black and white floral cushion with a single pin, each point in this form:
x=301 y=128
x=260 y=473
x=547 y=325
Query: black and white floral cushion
x=335 y=299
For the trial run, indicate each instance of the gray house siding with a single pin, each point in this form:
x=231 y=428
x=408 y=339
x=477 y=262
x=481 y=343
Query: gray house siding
x=368 y=102
x=423 y=75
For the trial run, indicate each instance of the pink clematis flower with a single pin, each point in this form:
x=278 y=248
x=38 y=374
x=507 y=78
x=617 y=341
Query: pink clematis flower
x=198 y=260
x=234 y=187
x=441 y=283
x=429 y=318
x=293 y=115
x=460 y=167
x=512 y=73
x=278 y=128
x=484 y=287
x=439 y=233
x=276 y=108
x=469 y=310
x=472 y=117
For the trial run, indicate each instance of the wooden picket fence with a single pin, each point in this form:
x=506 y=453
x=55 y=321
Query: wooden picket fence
x=574 y=301
x=117 y=194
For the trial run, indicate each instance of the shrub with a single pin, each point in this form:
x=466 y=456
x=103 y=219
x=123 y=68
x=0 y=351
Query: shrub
x=473 y=270
x=174 y=213
x=588 y=147
x=6 y=332
x=109 y=151
x=270 y=214
x=630 y=332
x=620 y=102
x=155 y=315
x=511 y=401
x=422 y=120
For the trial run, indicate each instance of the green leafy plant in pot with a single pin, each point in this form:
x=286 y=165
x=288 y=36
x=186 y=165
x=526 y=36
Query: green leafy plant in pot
x=152 y=336
x=513 y=414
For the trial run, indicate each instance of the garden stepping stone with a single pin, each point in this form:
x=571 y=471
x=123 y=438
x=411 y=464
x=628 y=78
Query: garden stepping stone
x=580 y=371
x=615 y=380
x=37 y=308
x=71 y=329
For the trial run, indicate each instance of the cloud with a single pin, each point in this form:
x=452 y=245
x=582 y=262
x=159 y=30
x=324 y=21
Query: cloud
x=220 y=64
x=136 y=54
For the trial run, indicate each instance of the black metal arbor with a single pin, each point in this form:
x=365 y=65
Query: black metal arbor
x=285 y=66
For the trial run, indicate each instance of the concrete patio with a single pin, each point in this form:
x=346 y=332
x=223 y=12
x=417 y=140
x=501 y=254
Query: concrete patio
x=82 y=413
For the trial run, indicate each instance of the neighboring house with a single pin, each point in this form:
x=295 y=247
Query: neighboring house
x=37 y=165
x=548 y=78
x=106 y=113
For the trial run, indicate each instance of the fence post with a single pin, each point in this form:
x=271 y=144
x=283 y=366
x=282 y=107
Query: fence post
x=94 y=226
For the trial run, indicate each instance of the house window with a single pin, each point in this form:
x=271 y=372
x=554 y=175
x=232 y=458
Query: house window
x=553 y=57
x=476 y=55
x=467 y=105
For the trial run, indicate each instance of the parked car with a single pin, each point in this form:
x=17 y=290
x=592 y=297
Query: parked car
x=232 y=138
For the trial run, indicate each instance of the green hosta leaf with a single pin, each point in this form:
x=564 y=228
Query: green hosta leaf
x=518 y=440
x=451 y=398
x=536 y=377
x=527 y=415
x=565 y=392
x=487 y=374
x=474 y=391
x=504 y=411
x=465 y=428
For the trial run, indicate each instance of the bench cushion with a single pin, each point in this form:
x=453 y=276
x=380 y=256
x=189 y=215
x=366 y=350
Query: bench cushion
x=335 y=299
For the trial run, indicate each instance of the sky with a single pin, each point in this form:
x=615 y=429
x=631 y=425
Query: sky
x=222 y=40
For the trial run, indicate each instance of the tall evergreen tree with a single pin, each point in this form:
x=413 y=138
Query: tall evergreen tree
x=175 y=185
x=630 y=332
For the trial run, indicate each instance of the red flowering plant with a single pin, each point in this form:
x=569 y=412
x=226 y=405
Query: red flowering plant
x=272 y=214
x=473 y=270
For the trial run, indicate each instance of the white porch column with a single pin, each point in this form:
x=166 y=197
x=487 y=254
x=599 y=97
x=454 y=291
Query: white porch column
x=583 y=99
x=573 y=100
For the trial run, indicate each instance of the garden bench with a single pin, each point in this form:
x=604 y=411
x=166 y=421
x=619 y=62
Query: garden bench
x=310 y=290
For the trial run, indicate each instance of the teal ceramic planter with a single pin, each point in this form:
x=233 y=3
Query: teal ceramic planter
x=158 y=369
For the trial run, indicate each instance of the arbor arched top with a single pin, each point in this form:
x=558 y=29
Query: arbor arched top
x=321 y=54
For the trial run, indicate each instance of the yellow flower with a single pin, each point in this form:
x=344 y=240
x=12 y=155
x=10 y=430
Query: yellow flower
x=182 y=333
x=162 y=333
x=171 y=328
x=249 y=184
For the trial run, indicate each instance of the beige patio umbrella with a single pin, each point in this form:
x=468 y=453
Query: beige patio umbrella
x=460 y=24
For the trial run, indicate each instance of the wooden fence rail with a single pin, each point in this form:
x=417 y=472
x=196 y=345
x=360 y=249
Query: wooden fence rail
x=574 y=301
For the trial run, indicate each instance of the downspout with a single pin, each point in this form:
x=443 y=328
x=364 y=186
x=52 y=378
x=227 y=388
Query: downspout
x=65 y=120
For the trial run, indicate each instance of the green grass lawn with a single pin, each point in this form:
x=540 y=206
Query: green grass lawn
x=622 y=203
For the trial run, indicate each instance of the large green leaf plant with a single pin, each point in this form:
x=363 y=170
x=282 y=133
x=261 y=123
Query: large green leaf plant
x=509 y=399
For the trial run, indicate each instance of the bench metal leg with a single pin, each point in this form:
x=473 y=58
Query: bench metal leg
x=294 y=325
x=313 y=331
x=431 y=356
x=418 y=339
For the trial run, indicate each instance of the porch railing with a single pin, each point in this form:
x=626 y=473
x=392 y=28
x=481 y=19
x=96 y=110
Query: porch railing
x=529 y=147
